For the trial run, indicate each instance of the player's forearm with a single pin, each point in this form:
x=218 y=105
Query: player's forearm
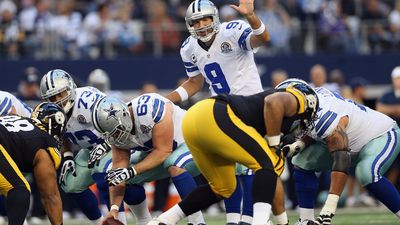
x=154 y=159
x=390 y=110
x=338 y=181
x=53 y=206
x=259 y=29
x=117 y=194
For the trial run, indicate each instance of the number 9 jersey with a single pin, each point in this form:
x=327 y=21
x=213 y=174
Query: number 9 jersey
x=228 y=65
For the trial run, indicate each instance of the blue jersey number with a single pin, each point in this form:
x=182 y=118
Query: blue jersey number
x=232 y=25
x=142 y=107
x=217 y=78
x=81 y=135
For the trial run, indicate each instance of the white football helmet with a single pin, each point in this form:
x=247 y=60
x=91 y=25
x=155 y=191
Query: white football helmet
x=99 y=79
x=55 y=82
x=201 y=9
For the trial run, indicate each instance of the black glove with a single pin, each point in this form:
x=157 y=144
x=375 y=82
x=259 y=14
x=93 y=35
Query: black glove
x=97 y=153
x=68 y=166
x=118 y=175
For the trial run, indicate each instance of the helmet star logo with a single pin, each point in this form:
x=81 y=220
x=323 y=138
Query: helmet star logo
x=111 y=112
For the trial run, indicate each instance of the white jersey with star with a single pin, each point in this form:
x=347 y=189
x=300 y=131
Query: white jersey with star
x=364 y=124
x=7 y=101
x=80 y=130
x=148 y=110
x=228 y=66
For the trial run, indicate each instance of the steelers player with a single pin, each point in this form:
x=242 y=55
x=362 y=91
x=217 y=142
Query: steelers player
x=30 y=145
x=228 y=129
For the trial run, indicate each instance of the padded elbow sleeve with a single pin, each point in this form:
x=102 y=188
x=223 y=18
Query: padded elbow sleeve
x=341 y=161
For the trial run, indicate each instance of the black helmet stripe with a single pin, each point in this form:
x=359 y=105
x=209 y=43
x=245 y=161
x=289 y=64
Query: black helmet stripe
x=193 y=7
x=52 y=80
x=198 y=6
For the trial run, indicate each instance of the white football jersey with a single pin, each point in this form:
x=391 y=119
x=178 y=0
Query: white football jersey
x=7 y=100
x=148 y=110
x=364 y=125
x=80 y=130
x=228 y=66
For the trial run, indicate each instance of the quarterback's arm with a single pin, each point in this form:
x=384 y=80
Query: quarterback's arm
x=276 y=107
x=191 y=86
x=390 y=110
x=260 y=34
x=46 y=181
x=162 y=136
x=120 y=159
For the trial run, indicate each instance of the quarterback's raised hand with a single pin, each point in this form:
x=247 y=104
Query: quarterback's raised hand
x=67 y=167
x=119 y=175
x=97 y=153
x=246 y=7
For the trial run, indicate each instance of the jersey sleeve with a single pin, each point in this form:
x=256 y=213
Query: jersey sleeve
x=240 y=31
x=150 y=110
x=188 y=62
x=5 y=105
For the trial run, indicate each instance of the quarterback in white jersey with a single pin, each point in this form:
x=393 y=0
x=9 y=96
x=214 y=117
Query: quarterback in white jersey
x=9 y=104
x=348 y=135
x=150 y=125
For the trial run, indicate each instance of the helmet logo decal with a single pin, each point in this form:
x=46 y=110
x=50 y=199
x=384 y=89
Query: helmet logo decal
x=111 y=112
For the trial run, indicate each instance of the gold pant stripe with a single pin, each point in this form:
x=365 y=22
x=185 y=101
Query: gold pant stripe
x=14 y=168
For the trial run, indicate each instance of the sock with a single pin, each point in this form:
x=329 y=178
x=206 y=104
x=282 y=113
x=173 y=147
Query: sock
x=184 y=184
x=306 y=185
x=262 y=212
x=281 y=219
x=246 y=219
x=398 y=214
x=232 y=218
x=306 y=214
x=121 y=214
x=172 y=215
x=385 y=192
x=87 y=202
x=134 y=194
x=200 y=180
x=247 y=206
x=141 y=212
x=200 y=198
x=233 y=203
x=17 y=204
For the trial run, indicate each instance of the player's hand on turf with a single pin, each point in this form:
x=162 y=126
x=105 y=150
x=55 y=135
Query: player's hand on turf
x=119 y=175
x=97 y=153
x=67 y=167
x=245 y=8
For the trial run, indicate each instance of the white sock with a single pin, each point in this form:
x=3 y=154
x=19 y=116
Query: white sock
x=398 y=214
x=122 y=217
x=141 y=212
x=232 y=217
x=281 y=218
x=172 y=216
x=25 y=223
x=247 y=219
x=196 y=218
x=306 y=214
x=261 y=213
x=97 y=221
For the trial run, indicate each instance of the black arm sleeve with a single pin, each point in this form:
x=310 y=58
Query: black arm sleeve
x=341 y=161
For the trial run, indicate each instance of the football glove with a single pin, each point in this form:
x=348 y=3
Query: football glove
x=291 y=150
x=119 y=175
x=97 y=153
x=328 y=211
x=67 y=167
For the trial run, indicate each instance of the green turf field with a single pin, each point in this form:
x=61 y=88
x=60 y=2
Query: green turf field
x=356 y=216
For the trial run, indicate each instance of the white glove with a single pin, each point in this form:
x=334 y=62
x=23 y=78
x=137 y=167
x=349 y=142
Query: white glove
x=68 y=166
x=328 y=211
x=291 y=150
x=118 y=175
x=97 y=153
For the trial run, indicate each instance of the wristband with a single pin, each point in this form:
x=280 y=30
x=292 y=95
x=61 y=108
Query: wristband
x=259 y=30
x=134 y=171
x=182 y=93
x=114 y=207
x=273 y=140
x=66 y=154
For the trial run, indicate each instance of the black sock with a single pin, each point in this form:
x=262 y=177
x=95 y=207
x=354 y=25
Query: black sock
x=200 y=198
x=264 y=185
x=17 y=204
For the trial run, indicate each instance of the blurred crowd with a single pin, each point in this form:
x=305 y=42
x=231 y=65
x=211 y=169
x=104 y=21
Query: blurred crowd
x=81 y=29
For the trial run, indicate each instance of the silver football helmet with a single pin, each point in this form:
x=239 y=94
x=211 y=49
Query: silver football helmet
x=99 y=79
x=201 y=9
x=111 y=117
x=55 y=82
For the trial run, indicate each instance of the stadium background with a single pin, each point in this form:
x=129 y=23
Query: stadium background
x=138 y=41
